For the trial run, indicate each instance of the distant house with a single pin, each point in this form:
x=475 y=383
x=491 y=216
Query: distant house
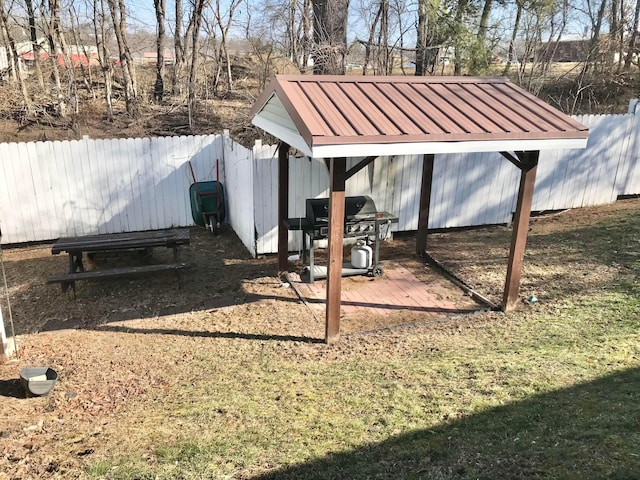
x=575 y=50
x=151 y=58
x=77 y=55
x=565 y=51
x=75 y=59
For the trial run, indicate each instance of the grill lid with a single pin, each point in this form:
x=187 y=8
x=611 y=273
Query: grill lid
x=356 y=208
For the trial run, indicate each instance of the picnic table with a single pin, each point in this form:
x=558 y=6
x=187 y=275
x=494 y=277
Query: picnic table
x=145 y=242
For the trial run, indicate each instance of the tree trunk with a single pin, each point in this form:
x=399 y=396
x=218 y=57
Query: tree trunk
x=195 y=23
x=103 y=55
x=119 y=18
x=69 y=67
x=483 y=28
x=384 y=62
x=369 y=45
x=594 y=45
x=428 y=37
x=481 y=58
x=421 y=41
x=223 y=57
x=307 y=16
x=158 y=89
x=330 y=36
x=514 y=36
x=458 y=39
x=54 y=59
x=181 y=48
x=292 y=32
x=634 y=37
x=178 y=51
x=85 y=70
x=35 y=46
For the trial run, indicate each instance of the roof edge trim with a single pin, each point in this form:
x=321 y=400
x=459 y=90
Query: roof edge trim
x=385 y=149
x=386 y=79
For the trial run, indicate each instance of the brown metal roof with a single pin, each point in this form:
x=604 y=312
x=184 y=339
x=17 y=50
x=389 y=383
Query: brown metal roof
x=340 y=110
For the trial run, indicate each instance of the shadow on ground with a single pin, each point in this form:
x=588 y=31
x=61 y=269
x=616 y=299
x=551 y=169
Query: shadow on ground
x=568 y=433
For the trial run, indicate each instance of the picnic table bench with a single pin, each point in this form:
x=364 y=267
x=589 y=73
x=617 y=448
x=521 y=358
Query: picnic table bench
x=76 y=247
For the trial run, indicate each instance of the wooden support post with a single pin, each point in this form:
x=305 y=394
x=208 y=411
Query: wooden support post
x=425 y=202
x=520 y=229
x=283 y=206
x=337 y=179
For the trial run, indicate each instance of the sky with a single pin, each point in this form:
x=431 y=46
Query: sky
x=142 y=16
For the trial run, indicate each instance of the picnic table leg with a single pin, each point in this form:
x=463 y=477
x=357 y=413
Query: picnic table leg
x=75 y=262
x=75 y=265
x=65 y=286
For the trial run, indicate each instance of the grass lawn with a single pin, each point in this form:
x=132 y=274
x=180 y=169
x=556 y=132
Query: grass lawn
x=549 y=392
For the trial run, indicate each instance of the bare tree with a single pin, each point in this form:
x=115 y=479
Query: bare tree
x=307 y=40
x=284 y=27
x=224 y=22
x=178 y=49
x=511 y=54
x=15 y=65
x=369 y=44
x=330 y=36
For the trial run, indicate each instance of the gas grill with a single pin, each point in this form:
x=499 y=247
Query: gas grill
x=361 y=220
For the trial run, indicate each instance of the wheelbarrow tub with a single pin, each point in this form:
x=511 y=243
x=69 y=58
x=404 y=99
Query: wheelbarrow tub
x=207 y=200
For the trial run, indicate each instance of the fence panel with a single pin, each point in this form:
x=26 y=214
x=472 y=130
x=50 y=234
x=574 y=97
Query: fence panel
x=238 y=163
x=55 y=189
x=265 y=190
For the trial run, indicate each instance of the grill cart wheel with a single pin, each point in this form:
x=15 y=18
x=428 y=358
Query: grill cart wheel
x=377 y=271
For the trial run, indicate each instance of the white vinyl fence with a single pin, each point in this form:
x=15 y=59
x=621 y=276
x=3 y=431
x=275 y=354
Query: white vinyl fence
x=73 y=188
x=54 y=189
